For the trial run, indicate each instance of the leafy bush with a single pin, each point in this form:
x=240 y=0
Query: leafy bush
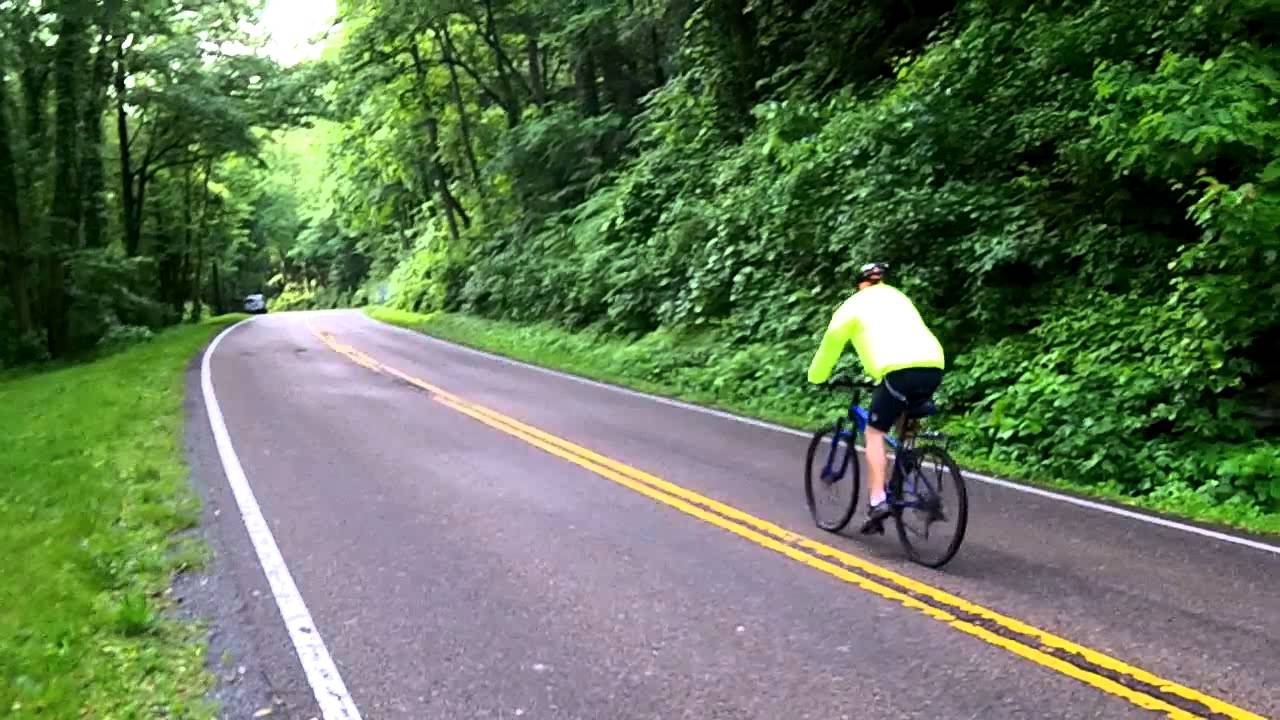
x=418 y=283
x=18 y=349
x=118 y=337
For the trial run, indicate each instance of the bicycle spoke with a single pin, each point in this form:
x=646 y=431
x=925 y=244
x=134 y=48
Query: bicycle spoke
x=933 y=504
x=831 y=480
x=923 y=535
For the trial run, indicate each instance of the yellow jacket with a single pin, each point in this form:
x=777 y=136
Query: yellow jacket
x=886 y=330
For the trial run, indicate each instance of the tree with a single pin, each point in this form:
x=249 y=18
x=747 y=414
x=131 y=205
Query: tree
x=187 y=89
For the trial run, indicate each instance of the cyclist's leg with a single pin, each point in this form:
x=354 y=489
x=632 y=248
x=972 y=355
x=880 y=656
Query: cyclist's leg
x=887 y=405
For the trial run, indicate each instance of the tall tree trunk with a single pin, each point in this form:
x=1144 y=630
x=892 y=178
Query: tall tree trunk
x=437 y=172
x=535 y=69
x=197 y=279
x=133 y=180
x=736 y=23
x=464 y=117
x=34 y=92
x=13 y=250
x=168 y=253
x=508 y=90
x=620 y=84
x=133 y=240
x=181 y=285
x=584 y=74
x=550 y=73
x=448 y=203
x=94 y=181
x=655 y=44
x=129 y=202
x=91 y=171
x=31 y=152
x=215 y=280
x=67 y=205
x=507 y=71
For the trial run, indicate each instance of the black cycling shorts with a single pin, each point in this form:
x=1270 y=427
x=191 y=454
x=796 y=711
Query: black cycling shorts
x=899 y=390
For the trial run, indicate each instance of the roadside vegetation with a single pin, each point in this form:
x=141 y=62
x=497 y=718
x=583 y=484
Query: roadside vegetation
x=93 y=491
x=138 y=179
x=134 y=139
x=1082 y=197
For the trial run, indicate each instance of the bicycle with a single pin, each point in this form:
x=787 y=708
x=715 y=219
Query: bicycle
x=908 y=489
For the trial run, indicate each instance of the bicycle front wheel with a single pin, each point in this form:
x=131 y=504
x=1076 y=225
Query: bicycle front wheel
x=935 y=507
x=831 y=479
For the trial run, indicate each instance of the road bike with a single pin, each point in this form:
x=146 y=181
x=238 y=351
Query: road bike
x=916 y=486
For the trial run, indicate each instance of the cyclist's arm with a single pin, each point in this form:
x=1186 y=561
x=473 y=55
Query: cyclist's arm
x=829 y=351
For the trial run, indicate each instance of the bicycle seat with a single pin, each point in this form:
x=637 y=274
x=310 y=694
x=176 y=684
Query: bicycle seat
x=922 y=409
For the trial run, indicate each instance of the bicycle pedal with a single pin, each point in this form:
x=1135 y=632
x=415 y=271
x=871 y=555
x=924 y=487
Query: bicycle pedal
x=873 y=527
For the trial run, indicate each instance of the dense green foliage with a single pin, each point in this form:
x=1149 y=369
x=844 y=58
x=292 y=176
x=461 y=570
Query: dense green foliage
x=1083 y=197
x=92 y=488
x=130 y=190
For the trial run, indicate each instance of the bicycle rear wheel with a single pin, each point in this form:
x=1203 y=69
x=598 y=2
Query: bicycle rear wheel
x=831 y=479
x=934 y=499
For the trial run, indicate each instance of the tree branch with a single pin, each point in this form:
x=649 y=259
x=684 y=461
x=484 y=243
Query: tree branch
x=150 y=156
x=454 y=58
x=489 y=33
x=549 y=78
x=376 y=56
x=179 y=162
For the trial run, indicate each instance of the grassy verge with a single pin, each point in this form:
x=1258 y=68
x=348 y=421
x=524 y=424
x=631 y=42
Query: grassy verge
x=93 y=488
x=678 y=367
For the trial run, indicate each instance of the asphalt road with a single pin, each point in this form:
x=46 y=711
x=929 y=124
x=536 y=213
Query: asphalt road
x=459 y=565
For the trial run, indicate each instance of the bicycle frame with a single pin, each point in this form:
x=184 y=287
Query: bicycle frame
x=910 y=484
x=860 y=417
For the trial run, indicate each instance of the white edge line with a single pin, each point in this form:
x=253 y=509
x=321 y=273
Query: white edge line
x=1100 y=507
x=331 y=694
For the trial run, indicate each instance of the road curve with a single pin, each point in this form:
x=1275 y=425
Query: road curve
x=477 y=539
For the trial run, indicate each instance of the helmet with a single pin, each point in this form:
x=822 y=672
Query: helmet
x=873 y=272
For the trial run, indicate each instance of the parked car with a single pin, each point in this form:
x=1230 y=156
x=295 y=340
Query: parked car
x=255 y=304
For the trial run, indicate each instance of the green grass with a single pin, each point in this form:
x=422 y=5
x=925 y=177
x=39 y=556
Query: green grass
x=93 y=488
x=680 y=367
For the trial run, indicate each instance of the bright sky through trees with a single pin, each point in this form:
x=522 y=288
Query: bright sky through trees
x=294 y=25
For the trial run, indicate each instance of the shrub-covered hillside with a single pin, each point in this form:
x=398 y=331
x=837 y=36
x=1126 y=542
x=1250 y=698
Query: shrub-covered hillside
x=1083 y=197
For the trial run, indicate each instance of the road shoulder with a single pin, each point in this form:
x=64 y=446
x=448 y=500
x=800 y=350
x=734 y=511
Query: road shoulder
x=249 y=652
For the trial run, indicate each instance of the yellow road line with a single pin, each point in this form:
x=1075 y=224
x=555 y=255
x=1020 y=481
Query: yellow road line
x=1098 y=681
x=812 y=553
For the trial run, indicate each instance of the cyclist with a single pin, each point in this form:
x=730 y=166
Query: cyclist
x=900 y=354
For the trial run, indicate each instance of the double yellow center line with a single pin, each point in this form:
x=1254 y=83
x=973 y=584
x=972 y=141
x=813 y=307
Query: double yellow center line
x=1093 y=668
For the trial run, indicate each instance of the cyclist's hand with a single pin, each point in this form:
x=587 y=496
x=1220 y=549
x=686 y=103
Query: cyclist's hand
x=840 y=381
x=849 y=382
